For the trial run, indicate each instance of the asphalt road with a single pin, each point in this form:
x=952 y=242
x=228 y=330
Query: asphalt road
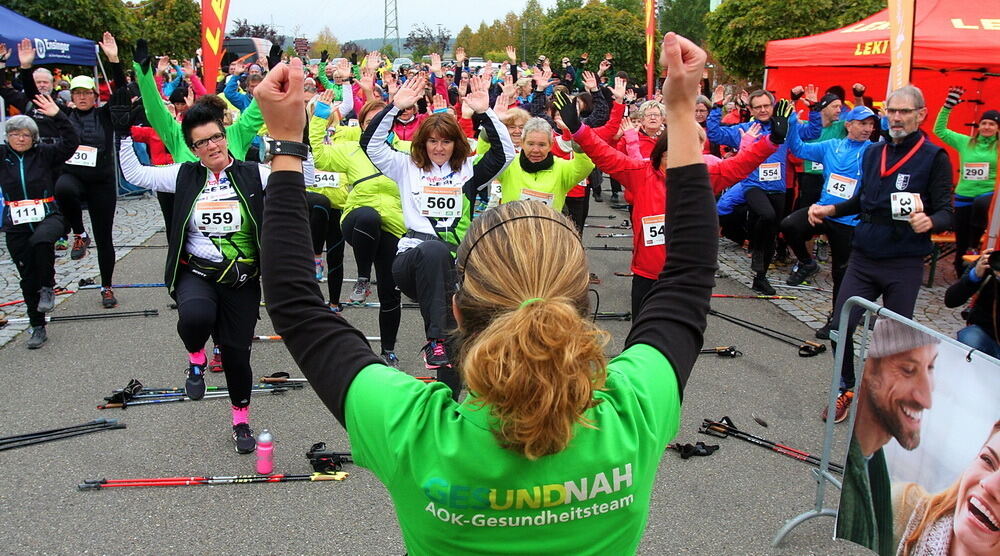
x=730 y=503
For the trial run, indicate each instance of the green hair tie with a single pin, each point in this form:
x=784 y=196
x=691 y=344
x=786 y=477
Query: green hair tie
x=527 y=302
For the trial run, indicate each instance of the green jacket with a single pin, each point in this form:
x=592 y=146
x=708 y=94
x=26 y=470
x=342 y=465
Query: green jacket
x=835 y=130
x=865 y=514
x=548 y=186
x=346 y=156
x=981 y=151
x=238 y=135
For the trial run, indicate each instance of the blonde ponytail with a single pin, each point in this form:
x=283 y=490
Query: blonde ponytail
x=528 y=351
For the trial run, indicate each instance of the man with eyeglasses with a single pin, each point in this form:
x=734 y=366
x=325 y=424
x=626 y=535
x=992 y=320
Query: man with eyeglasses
x=905 y=196
x=764 y=189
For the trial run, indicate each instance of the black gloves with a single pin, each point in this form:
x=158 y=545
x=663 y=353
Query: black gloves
x=858 y=89
x=824 y=102
x=567 y=109
x=120 y=106
x=323 y=56
x=273 y=57
x=354 y=58
x=141 y=54
x=796 y=95
x=954 y=97
x=779 y=121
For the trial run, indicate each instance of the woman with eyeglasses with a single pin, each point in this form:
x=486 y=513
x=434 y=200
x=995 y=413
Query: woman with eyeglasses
x=573 y=442
x=31 y=218
x=212 y=261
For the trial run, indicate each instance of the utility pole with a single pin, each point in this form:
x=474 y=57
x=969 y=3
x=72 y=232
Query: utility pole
x=391 y=29
x=524 y=40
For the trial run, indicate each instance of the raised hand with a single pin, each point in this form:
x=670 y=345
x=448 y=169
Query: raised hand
x=374 y=60
x=511 y=53
x=744 y=98
x=110 y=47
x=26 y=53
x=954 y=96
x=410 y=93
x=626 y=126
x=262 y=62
x=567 y=110
x=719 y=95
x=589 y=81
x=141 y=54
x=326 y=97
x=620 y=89
x=438 y=103
x=684 y=61
x=163 y=64
x=604 y=66
x=509 y=89
x=343 y=69
x=46 y=105
x=3 y=51
x=797 y=92
x=279 y=97
x=391 y=84
x=753 y=132
x=367 y=81
x=460 y=55
x=189 y=97
x=542 y=78
x=435 y=65
x=323 y=56
x=630 y=96
x=858 y=89
x=779 y=121
x=463 y=86
x=478 y=98
x=812 y=93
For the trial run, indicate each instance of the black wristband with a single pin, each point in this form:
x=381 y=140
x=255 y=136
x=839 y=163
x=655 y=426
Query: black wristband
x=292 y=148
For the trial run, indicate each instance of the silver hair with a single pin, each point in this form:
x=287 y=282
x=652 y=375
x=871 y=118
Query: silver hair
x=17 y=123
x=537 y=125
x=910 y=92
x=650 y=104
x=43 y=71
x=703 y=100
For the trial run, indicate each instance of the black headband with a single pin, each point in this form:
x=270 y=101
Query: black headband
x=501 y=223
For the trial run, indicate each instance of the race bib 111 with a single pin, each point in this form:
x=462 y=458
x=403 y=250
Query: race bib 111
x=27 y=211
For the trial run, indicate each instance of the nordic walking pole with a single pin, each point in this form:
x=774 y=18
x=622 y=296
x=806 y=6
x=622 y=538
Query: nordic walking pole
x=88 y=284
x=741 y=296
x=89 y=424
x=278 y=338
x=70 y=434
x=98 y=484
x=610 y=216
x=59 y=291
x=729 y=429
x=722 y=351
x=259 y=389
x=95 y=316
x=807 y=348
x=212 y=389
x=213 y=396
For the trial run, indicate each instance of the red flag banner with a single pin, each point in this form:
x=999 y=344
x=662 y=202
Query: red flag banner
x=900 y=42
x=650 y=47
x=213 y=32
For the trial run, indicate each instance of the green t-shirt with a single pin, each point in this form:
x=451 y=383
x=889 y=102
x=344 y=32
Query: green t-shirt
x=835 y=130
x=456 y=491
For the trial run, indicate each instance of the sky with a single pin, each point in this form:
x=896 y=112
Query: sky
x=300 y=18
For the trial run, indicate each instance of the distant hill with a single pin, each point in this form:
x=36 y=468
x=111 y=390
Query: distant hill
x=375 y=44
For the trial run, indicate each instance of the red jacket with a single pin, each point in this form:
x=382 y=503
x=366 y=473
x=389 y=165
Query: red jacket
x=649 y=193
x=157 y=150
x=605 y=132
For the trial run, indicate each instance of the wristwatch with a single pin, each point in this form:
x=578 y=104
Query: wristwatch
x=271 y=148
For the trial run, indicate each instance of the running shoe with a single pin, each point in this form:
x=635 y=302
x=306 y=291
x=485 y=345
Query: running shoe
x=108 y=300
x=762 y=285
x=614 y=198
x=80 y=245
x=62 y=244
x=802 y=272
x=243 y=439
x=194 y=386
x=320 y=271
x=823 y=333
x=336 y=307
x=436 y=354
x=594 y=278
x=46 y=299
x=843 y=407
x=821 y=247
x=390 y=358
x=215 y=365
x=362 y=289
x=38 y=337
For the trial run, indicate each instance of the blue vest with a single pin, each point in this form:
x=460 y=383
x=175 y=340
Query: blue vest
x=877 y=235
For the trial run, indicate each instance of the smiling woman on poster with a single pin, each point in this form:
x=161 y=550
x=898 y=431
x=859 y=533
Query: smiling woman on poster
x=963 y=519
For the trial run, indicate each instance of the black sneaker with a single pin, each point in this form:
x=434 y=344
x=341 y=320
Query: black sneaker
x=243 y=439
x=194 y=386
x=80 y=245
x=38 y=337
x=761 y=285
x=802 y=272
x=436 y=354
x=46 y=299
x=823 y=332
x=614 y=198
x=598 y=199
x=390 y=358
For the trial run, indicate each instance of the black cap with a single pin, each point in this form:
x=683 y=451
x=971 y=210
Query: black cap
x=991 y=115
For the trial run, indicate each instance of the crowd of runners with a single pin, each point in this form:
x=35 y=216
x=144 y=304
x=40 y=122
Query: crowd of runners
x=467 y=190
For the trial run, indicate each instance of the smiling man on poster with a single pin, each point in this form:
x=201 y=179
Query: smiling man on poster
x=896 y=388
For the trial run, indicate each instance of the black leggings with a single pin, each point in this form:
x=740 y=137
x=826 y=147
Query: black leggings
x=735 y=225
x=324 y=223
x=640 y=287
x=101 y=195
x=970 y=223
x=577 y=209
x=766 y=210
x=205 y=308
x=797 y=231
x=594 y=181
x=810 y=189
x=374 y=246
x=33 y=255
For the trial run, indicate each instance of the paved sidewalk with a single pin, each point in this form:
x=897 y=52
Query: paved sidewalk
x=812 y=307
x=136 y=220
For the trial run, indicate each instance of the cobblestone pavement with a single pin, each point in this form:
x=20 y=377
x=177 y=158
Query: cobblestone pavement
x=812 y=307
x=136 y=220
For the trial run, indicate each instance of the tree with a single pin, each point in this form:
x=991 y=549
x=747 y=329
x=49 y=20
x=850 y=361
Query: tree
x=243 y=28
x=465 y=39
x=172 y=27
x=533 y=18
x=351 y=47
x=739 y=30
x=563 y=6
x=685 y=17
x=324 y=41
x=634 y=7
x=596 y=29
x=84 y=19
x=423 y=40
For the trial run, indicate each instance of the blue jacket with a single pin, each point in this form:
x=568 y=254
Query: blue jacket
x=840 y=157
x=775 y=164
x=233 y=95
